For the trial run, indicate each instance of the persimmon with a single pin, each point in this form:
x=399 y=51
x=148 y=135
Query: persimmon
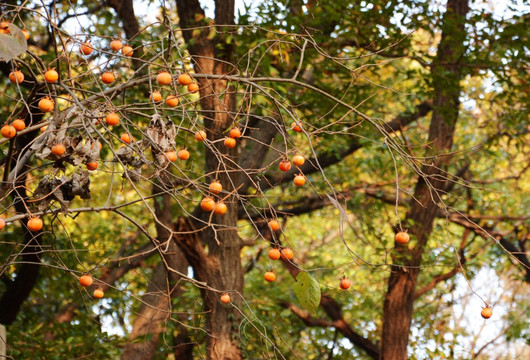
x=225 y=298
x=486 y=312
x=274 y=254
x=86 y=48
x=58 y=149
x=116 y=45
x=127 y=50
x=183 y=154
x=270 y=276
x=112 y=119
x=16 y=77
x=46 y=105
x=163 y=78
x=19 y=124
x=98 y=293
x=184 y=79
x=108 y=77
x=220 y=208
x=298 y=160
x=193 y=88
x=207 y=204
x=172 y=100
x=86 y=280
x=235 y=133
x=35 y=224
x=2 y=223
x=26 y=33
x=285 y=165
x=274 y=225
x=200 y=135
x=215 y=187
x=402 y=237
x=51 y=76
x=345 y=284
x=8 y=131
x=4 y=27
x=299 y=180
x=296 y=127
x=155 y=96
x=43 y=129
x=126 y=138
x=287 y=254
x=171 y=156
x=230 y=142
x=92 y=166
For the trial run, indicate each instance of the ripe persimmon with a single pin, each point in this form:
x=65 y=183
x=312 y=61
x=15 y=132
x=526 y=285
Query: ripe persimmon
x=46 y=105
x=287 y=254
x=86 y=280
x=215 y=187
x=98 y=293
x=171 y=156
x=126 y=138
x=19 y=124
x=92 y=166
x=296 y=127
x=2 y=223
x=270 y=276
x=155 y=96
x=108 y=77
x=116 y=45
x=220 y=208
x=207 y=204
x=51 y=76
x=235 y=133
x=112 y=119
x=86 y=48
x=163 y=78
x=183 y=154
x=172 y=100
x=4 y=27
x=486 y=312
x=35 y=224
x=402 y=237
x=200 y=135
x=8 y=131
x=193 y=88
x=285 y=165
x=274 y=254
x=345 y=284
x=274 y=225
x=16 y=77
x=298 y=160
x=299 y=180
x=127 y=50
x=184 y=79
x=230 y=142
x=58 y=149
x=225 y=298
x=26 y=33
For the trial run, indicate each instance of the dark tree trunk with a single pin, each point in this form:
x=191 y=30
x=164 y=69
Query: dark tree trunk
x=399 y=300
x=221 y=268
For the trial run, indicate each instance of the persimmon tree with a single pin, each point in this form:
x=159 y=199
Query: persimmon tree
x=260 y=186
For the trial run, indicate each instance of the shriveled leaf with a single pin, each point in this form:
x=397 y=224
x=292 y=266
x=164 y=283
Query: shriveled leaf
x=12 y=45
x=81 y=185
x=307 y=290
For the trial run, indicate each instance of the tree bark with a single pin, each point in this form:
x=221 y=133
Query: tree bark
x=221 y=269
x=399 y=300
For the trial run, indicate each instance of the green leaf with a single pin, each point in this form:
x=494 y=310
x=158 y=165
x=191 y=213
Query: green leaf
x=307 y=291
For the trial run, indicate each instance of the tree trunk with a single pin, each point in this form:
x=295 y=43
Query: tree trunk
x=221 y=268
x=399 y=300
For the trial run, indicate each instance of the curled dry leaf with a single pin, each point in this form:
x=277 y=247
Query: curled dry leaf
x=12 y=45
x=62 y=190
